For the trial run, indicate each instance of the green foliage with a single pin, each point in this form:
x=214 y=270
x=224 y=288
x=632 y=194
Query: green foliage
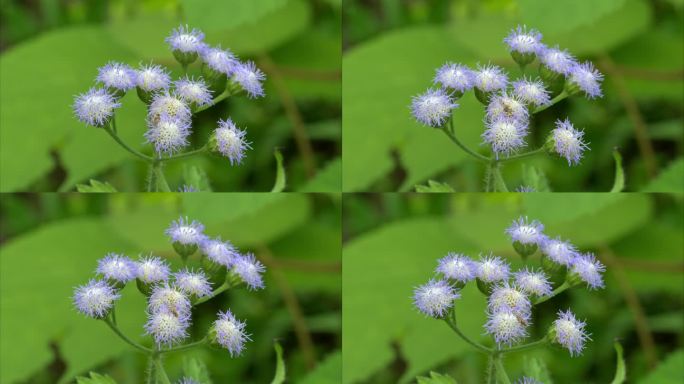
x=327 y=179
x=670 y=371
x=280 y=172
x=326 y=372
x=434 y=187
x=565 y=15
x=95 y=187
x=195 y=369
x=669 y=180
x=537 y=369
x=196 y=177
x=535 y=178
x=215 y=15
x=279 y=376
x=436 y=378
x=95 y=378
x=620 y=370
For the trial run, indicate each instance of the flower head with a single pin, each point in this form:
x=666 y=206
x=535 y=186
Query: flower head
x=152 y=269
x=117 y=76
x=523 y=40
x=569 y=332
x=532 y=282
x=152 y=78
x=117 y=267
x=526 y=232
x=589 y=270
x=166 y=328
x=193 y=91
x=185 y=232
x=230 y=333
x=184 y=40
x=95 y=299
x=250 y=78
x=433 y=107
x=168 y=134
x=559 y=61
x=250 y=270
x=95 y=107
x=504 y=106
x=586 y=78
x=435 y=298
x=506 y=297
x=455 y=76
x=457 y=267
x=567 y=141
x=192 y=283
x=506 y=327
x=505 y=136
x=531 y=92
x=165 y=298
x=558 y=251
x=170 y=105
x=218 y=251
x=490 y=78
x=492 y=269
x=220 y=60
x=230 y=141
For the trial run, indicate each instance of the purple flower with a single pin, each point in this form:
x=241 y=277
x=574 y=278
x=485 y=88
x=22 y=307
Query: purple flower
x=435 y=298
x=184 y=40
x=166 y=328
x=503 y=106
x=250 y=270
x=525 y=189
x=220 y=252
x=170 y=105
x=490 y=78
x=532 y=282
x=569 y=332
x=455 y=76
x=526 y=232
x=523 y=41
x=152 y=78
x=117 y=76
x=527 y=380
x=506 y=327
x=559 y=61
x=193 y=91
x=505 y=136
x=531 y=92
x=193 y=283
x=168 y=135
x=589 y=270
x=491 y=269
x=567 y=141
x=152 y=269
x=230 y=141
x=250 y=78
x=433 y=107
x=230 y=333
x=457 y=267
x=165 y=298
x=95 y=107
x=185 y=232
x=506 y=297
x=220 y=60
x=558 y=251
x=95 y=299
x=587 y=79
x=117 y=267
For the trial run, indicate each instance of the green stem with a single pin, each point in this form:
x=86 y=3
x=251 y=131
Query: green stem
x=185 y=346
x=534 y=344
x=451 y=321
x=158 y=180
x=113 y=123
x=500 y=370
x=488 y=177
x=499 y=183
x=186 y=154
x=523 y=155
x=218 y=98
x=124 y=337
x=490 y=369
x=159 y=369
x=555 y=292
x=225 y=286
x=553 y=101
x=460 y=144
x=125 y=146
x=150 y=371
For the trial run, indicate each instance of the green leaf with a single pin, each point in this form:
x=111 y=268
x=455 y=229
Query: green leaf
x=328 y=371
x=535 y=178
x=95 y=378
x=670 y=179
x=619 y=183
x=620 y=370
x=536 y=369
x=565 y=15
x=279 y=376
x=218 y=15
x=436 y=378
x=95 y=187
x=434 y=187
x=669 y=371
x=327 y=179
x=195 y=369
x=196 y=177
x=279 y=185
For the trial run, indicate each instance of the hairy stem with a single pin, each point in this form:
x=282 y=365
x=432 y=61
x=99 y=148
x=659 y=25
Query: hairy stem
x=185 y=154
x=159 y=369
x=456 y=141
x=553 y=101
x=110 y=130
x=501 y=374
x=490 y=369
x=216 y=100
x=158 y=182
x=523 y=155
x=499 y=183
x=124 y=337
x=535 y=344
x=555 y=292
x=224 y=287
x=451 y=321
x=185 y=346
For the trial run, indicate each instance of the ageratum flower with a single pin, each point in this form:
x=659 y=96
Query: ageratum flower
x=117 y=76
x=455 y=76
x=506 y=327
x=531 y=92
x=490 y=78
x=220 y=60
x=117 y=267
x=151 y=78
x=526 y=232
x=166 y=298
x=167 y=134
x=95 y=107
x=170 y=105
x=567 y=141
x=558 y=251
x=184 y=40
x=569 y=332
x=532 y=282
x=230 y=141
x=433 y=107
x=95 y=299
x=559 y=61
x=185 y=232
x=152 y=269
x=192 y=283
x=523 y=40
x=456 y=266
x=510 y=298
x=589 y=270
x=492 y=269
x=220 y=252
x=504 y=106
x=250 y=78
x=250 y=270
x=587 y=79
x=230 y=333
x=435 y=298
x=193 y=91
x=505 y=136
x=166 y=328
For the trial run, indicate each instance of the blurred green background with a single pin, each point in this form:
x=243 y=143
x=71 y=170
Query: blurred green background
x=392 y=48
x=392 y=243
x=50 y=51
x=50 y=243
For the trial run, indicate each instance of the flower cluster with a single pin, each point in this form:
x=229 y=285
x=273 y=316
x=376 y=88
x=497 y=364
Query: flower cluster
x=511 y=296
x=171 y=104
x=510 y=104
x=172 y=295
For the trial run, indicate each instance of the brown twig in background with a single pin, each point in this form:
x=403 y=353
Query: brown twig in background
x=643 y=331
x=293 y=307
x=292 y=111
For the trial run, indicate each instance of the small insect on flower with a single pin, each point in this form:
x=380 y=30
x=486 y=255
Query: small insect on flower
x=455 y=76
x=250 y=78
x=229 y=332
x=152 y=269
x=511 y=298
x=166 y=298
x=457 y=267
x=170 y=105
x=569 y=332
x=435 y=298
x=506 y=327
x=166 y=328
x=185 y=232
x=219 y=60
x=192 y=283
x=492 y=269
x=523 y=40
x=531 y=92
x=490 y=78
x=589 y=270
x=505 y=136
x=557 y=60
x=95 y=107
x=433 y=107
x=151 y=78
x=117 y=268
x=185 y=40
x=526 y=232
x=532 y=282
x=193 y=91
x=230 y=141
x=220 y=252
x=587 y=79
x=558 y=251
x=117 y=76
x=167 y=134
x=567 y=142
x=250 y=270
x=95 y=299
x=504 y=106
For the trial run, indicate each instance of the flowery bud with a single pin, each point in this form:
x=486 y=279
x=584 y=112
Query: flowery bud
x=250 y=78
x=455 y=266
x=532 y=282
x=229 y=333
x=167 y=328
x=532 y=92
x=152 y=269
x=117 y=76
x=455 y=76
x=186 y=236
x=168 y=134
x=117 y=268
x=193 y=283
x=95 y=299
x=492 y=269
x=186 y=44
x=585 y=268
x=166 y=298
x=567 y=142
x=510 y=298
x=193 y=91
x=523 y=44
x=505 y=136
x=250 y=270
x=170 y=105
x=229 y=141
x=569 y=333
x=558 y=251
x=488 y=79
x=555 y=61
x=433 y=107
x=526 y=236
x=219 y=60
x=504 y=106
x=585 y=78
x=152 y=78
x=506 y=327
x=95 y=107
x=220 y=252
x=435 y=298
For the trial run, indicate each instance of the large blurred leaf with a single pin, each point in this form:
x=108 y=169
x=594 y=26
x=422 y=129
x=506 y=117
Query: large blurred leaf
x=213 y=15
x=669 y=371
x=328 y=371
x=670 y=179
x=564 y=15
x=328 y=178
